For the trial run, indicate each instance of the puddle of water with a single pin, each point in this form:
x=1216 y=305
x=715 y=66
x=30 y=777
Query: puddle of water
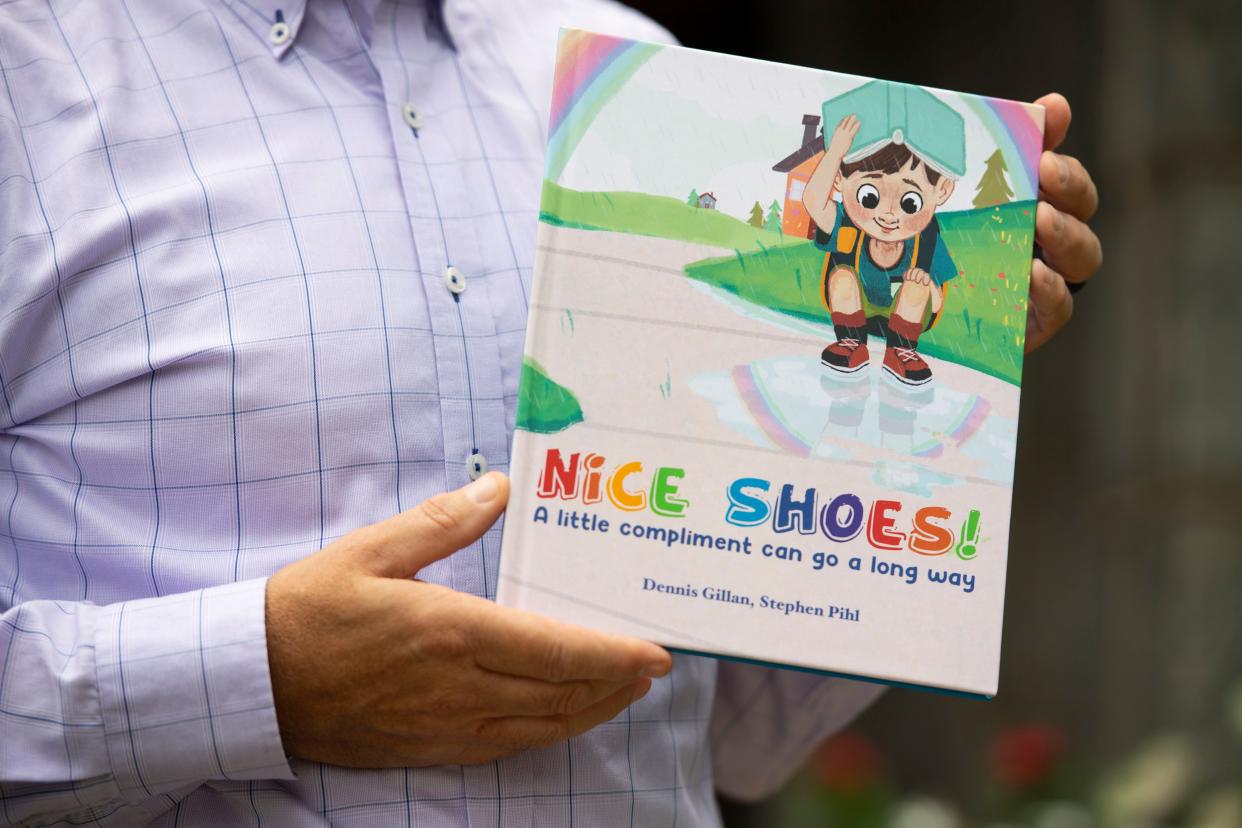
x=917 y=439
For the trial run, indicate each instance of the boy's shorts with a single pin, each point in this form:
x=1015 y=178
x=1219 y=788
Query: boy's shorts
x=877 y=315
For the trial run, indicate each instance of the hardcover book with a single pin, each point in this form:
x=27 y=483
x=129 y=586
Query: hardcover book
x=769 y=399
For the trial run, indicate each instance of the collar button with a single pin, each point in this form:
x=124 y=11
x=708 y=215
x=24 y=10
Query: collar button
x=279 y=34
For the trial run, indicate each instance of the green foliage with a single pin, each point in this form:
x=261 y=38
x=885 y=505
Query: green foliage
x=774 y=217
x=544 y=406
x=983 y=323
x=756 y=216
x=692 y=200
x=648 y=215
x=993 y=189
x=784 y=277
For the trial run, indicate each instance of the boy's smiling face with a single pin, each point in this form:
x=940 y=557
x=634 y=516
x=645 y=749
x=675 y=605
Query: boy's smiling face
x=893 y=206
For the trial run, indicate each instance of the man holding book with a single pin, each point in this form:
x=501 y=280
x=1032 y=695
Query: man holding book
x=263 y=282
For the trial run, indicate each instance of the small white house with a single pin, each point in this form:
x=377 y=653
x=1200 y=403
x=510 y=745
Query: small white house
x=707 y=201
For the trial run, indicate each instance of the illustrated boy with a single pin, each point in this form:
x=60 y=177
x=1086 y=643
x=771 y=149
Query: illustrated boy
x=894 y=157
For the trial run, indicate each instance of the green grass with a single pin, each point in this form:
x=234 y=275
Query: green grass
x=649 y=215
x=983 y=324
x=543 y=405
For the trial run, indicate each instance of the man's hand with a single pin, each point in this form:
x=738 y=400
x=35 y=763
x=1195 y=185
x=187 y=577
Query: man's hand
x=1072 y=253
x=372 y=669
x=842 y=137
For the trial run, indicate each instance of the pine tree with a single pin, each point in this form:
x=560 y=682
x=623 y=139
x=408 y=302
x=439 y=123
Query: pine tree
x=993 y=188
x=774 y=217
x=756 y=216
x=693 y=198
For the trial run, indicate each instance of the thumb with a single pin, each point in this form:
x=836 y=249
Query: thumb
x=436 y=528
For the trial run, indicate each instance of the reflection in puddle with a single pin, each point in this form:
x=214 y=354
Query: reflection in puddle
x=917 y=438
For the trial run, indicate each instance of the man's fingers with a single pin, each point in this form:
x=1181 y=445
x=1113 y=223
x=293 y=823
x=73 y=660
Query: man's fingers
x=523 y=644
x=1067 y=185
x=1051 y=305
x=521 y=696
x=402 y=545
x=542 y=731
x=1069 y=245
x=1056 y=119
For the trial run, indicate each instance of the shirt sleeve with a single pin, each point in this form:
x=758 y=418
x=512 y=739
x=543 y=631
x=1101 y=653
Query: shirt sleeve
x=766 y=722
x=824 y=240
x=104 y=707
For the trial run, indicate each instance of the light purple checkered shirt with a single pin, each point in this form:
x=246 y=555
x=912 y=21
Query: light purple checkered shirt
x=226 y=339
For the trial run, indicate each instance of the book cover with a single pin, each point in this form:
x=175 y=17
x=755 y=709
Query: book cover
x=769 y=398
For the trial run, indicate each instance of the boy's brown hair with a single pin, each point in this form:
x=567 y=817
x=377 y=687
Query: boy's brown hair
x=889 y=159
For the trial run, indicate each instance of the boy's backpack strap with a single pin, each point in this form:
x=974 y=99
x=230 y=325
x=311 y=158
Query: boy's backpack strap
x=925 y=246
x=847 y=240
x=859 y=244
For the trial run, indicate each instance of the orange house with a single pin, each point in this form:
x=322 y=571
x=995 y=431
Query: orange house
x=798 y=167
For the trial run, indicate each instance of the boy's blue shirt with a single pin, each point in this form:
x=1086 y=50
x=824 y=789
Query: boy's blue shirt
x=877 y=281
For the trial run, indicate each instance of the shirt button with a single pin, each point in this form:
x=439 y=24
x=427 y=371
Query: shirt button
x=476 y=466
x=279 y=33
x=411 y=116
x=453 y=280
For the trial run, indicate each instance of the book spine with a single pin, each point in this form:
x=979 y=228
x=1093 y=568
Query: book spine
x=514 y=553
x=514 y=557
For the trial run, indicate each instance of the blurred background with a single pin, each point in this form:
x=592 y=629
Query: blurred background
x=1120 y=700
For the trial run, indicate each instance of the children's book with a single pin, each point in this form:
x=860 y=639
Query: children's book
x=769 y=400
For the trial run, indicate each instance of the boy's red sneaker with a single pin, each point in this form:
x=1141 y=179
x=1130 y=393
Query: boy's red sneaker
x=906 y=366
x=847 y=355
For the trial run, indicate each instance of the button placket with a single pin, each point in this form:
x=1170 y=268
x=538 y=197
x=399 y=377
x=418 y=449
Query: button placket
x=454 y=282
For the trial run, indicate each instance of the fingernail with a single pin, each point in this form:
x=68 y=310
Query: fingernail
x=483 y=490
x=1063 y=169
x=654 y=670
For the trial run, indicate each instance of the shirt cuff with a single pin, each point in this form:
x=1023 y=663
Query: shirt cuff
x=185 y=689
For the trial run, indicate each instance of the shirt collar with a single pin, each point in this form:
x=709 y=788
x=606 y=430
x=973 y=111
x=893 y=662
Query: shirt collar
x=265 y=16
x=262 y=16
